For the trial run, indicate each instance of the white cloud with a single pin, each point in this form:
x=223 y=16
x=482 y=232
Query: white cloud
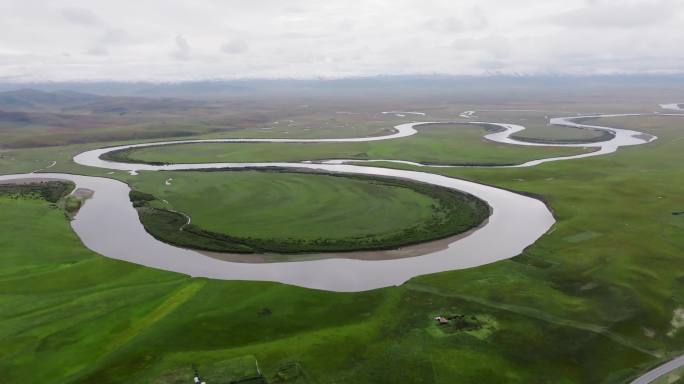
x=108 y=39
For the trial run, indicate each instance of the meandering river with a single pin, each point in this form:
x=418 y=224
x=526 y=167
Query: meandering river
x=109 y=225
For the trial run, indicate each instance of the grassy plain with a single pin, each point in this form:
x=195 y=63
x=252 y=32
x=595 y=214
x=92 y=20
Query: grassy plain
x=258 y=211
x=71 y=316
x=617 y=248
x=283 y=205
x=592 y=302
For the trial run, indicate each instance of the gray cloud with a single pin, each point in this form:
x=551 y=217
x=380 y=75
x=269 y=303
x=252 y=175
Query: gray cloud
x=182 y=50
x=81 y=16
x=308 y=38
x=106 y=40
x=495 y=46
x=234 y=47
x=619 y=14
x=474 y=19
x=97 y=50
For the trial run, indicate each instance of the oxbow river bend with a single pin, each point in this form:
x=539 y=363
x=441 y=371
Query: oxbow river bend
x=108 y=223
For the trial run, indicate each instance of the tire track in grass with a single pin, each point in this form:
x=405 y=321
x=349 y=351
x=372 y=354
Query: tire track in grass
x=173 y=301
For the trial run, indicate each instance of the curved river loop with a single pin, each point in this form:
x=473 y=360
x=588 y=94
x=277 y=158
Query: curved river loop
x=109 y=225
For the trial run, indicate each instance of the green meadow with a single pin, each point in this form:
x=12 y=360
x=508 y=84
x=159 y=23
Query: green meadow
x=290 y=212
x=593 y=301
x=69 y=315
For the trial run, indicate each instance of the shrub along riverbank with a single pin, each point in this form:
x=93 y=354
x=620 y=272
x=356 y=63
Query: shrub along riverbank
x=51 y=191
x=55 y=192
x=599 y=136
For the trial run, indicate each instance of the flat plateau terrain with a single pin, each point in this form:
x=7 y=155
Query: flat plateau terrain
x=598 y=299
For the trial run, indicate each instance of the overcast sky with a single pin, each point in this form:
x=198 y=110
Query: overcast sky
x=207 y=39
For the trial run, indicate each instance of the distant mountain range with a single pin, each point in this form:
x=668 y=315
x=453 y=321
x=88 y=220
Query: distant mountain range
x=80 y=91
x=34 y=100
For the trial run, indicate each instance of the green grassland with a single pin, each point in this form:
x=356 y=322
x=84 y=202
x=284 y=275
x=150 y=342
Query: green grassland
x=286 y=212
x=591 y=302
x=617 y=249
x=435 y=144
x=71 y=316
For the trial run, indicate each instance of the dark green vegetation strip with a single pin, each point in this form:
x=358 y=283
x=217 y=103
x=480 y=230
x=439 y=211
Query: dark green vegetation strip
x=56 y=192
x=51 y=191
x=140 y=199
x=599 y=135
x=595 y=135
x=124 y=156
x=450 y=213
x=171 y=227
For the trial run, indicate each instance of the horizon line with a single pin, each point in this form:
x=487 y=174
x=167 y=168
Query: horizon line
x=357 y=77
